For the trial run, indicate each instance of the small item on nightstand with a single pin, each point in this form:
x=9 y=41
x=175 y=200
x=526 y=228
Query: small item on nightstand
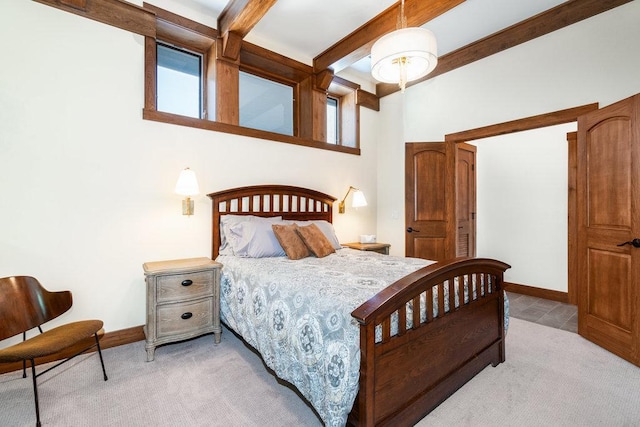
x=367 y=238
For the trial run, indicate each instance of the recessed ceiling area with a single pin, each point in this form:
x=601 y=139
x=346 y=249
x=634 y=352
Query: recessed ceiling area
x=302 y=29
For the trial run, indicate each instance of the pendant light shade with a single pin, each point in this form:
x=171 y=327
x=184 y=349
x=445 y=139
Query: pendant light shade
x=404 y=55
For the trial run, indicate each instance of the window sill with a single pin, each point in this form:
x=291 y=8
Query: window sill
x=159 y=116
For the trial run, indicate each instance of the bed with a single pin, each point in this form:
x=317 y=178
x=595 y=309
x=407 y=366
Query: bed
x=421 y=331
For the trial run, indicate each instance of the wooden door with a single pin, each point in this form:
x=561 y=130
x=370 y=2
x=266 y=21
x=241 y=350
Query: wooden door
x=465 y=199
x=608 y=199
x=430 y=200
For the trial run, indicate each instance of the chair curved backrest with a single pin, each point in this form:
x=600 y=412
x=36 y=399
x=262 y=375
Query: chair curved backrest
x=25 y=304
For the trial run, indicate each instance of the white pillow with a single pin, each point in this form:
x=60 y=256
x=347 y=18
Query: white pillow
x=255 y=239
x=228 y=239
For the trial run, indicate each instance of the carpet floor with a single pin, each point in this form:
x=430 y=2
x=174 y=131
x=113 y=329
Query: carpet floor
x=550 y=378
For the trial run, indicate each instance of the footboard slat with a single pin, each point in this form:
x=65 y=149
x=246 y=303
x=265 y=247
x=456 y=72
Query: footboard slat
x=440 y=299
x=452 y=294
x=386 y=329
x=485 y=284
x=409 y=372
x=417 y=307
x=402 y=320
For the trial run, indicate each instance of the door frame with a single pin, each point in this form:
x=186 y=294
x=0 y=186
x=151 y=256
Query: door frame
x=529 y=123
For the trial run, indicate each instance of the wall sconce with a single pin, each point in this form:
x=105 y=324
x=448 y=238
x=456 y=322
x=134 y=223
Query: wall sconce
x=187 y=185
x=358 y=199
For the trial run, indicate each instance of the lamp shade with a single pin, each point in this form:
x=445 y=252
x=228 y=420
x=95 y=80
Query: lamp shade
x=358 y=199
x=404 y=55
x=187 y=184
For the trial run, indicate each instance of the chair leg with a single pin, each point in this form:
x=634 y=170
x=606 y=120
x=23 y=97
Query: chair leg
x=35 y=391
x=24 y=361
x=104 y=372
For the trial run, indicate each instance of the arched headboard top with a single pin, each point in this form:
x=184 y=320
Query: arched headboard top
x=290 y=202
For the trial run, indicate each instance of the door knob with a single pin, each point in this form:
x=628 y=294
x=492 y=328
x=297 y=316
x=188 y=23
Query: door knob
x=411 y=230
x=635 y=243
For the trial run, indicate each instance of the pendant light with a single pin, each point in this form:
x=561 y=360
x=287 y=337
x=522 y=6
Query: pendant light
x=404 y=55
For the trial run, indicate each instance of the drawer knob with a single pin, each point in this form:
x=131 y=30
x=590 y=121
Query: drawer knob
x=187 y=315
x=187 y=282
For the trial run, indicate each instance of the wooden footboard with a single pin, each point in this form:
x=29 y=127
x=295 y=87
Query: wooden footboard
x=409 y=372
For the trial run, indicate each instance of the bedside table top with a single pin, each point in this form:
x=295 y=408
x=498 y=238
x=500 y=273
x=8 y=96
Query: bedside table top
x=366 y=246
x=178 y=265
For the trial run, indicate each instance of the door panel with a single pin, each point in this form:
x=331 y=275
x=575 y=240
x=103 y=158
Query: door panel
x=612 y=303
x=429 y=200
x=429 y=167
x=608 y=193
x=466 y=199
x=609 y=174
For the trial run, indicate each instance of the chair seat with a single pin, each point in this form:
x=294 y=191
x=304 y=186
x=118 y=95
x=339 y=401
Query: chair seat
x=51 y=341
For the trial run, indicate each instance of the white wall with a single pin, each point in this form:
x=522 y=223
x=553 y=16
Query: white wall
x=595 y=60
x=522 y=204
x=87 y=185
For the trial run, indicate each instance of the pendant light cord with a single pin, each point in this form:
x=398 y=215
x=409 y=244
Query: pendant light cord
x=402 y=19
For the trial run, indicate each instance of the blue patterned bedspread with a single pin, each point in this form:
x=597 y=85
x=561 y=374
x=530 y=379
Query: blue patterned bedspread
x=297 y=314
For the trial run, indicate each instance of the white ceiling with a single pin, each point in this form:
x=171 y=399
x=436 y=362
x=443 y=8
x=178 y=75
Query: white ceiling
x=302 y=29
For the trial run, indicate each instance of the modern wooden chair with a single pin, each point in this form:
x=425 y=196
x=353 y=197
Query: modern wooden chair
x=25 y=305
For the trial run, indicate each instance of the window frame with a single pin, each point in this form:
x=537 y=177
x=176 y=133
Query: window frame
x=276 y=79
x=202 y=80
x=336 y=99
x=154 y=23
x=309 y=102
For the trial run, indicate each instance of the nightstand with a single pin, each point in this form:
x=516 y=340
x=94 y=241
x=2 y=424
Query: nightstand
x=183 y=301
x=382 y=248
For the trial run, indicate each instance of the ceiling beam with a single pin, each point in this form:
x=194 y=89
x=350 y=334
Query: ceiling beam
x=237 y=19
x=240 y=16
x=546 y=22
x=358 y=44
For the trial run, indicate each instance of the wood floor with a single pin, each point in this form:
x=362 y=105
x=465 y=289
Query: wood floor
x=545 y=312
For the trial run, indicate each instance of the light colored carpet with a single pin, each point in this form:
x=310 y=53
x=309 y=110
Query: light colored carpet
x=551 y=378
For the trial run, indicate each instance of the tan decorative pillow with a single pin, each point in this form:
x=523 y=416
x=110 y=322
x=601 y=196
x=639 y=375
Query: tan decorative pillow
x=315 y=240
x=290 y=241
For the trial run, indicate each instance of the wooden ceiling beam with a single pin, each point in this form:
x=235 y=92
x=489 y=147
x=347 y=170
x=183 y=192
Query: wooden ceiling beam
x=240 y=16
x=546 y=22
x=237 y=19
x=357 y=45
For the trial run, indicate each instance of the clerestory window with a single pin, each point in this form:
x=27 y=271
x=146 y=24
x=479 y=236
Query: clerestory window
x=333 y=122
x=179 y=81
x=265 y=104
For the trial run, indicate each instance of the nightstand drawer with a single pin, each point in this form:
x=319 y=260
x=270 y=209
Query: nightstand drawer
x=186 y=317
x=187 y=285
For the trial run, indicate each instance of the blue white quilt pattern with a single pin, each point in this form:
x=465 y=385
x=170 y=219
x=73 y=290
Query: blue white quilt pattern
x=297 y=314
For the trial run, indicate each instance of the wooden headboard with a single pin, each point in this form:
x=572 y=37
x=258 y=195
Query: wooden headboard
x=292 y=203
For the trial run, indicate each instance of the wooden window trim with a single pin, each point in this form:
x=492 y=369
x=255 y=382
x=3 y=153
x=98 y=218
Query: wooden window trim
x=175 y=119
x=156 y=23
x=116 y=13
x=253 y=60
x=349 y=110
